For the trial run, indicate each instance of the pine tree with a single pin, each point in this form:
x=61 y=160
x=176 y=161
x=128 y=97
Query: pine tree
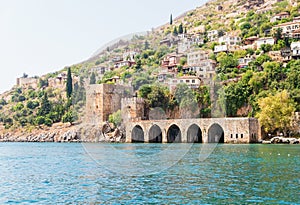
x=180 y=29
x=93 y=78
x=69 y=86
x=171 y=20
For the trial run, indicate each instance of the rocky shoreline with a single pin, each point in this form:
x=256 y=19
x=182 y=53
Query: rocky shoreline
x=281 y=140
x=65 y=133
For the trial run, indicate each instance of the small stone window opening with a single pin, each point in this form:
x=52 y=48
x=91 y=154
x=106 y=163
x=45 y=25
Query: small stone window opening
x=237 y=135
x=242 y=135
x=231 y=135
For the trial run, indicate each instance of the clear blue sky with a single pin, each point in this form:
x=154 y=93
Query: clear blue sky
x=41 y=36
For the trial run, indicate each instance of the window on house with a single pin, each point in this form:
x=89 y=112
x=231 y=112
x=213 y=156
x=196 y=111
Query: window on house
x=242 y=135
x=231 y=136
x=187 y=81
x=237 y=135
x=193 y=81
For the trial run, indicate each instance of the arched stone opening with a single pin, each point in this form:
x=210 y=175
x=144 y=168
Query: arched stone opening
x=194 y=134
x=174 y=134
x=137 y=134
x=155 y=134
x=215 y=134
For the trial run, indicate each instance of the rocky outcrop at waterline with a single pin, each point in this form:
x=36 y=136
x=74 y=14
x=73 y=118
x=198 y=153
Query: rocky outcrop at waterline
x=281 y=140
x=65 y=133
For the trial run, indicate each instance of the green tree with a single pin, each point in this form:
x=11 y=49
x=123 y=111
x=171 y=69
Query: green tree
x=45 y=106
x=69 y=86
x=32 y=104
x=236 y=96
x=158 y=97
x=144 y=91
x=293 y=76
x=93 y=78
x=226 y=62
x=70 y=116
x=273 y=72
x=276 y=112
x=115 y=118
x=266 y=47
x=40 y=120
x=277 y=34
x=245 y=26
x=43 y=83
x=171 y=19
x=180 y=29
x=138 y=64
x=3 y=102
x=175 y=32
x=147 y=45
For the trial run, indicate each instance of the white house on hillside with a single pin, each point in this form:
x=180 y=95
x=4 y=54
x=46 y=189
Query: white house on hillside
x=193 y=82
x=288 y=28
x=221 y=48
x=267 y=40
x=195 y=58
x=295 y=47
x=212 y=35
x=229 y=40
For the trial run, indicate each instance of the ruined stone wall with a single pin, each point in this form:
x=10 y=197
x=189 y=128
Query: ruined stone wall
x=27 y=82
x=103 y=100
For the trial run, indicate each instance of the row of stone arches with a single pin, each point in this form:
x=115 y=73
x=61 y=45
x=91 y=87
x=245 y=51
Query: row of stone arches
x=174 y=134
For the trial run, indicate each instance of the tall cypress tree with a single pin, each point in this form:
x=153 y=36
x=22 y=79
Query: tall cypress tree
x=69 y=86
x=180 y=29
x=171 y=20
x=175 y=32
x=93 y=78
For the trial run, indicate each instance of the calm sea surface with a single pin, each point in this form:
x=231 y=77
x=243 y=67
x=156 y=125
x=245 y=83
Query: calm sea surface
x=52 y=173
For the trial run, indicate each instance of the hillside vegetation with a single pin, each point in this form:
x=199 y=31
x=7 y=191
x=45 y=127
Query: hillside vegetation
x=138 y=62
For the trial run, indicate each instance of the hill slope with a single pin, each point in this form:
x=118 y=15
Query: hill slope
x=232 y=41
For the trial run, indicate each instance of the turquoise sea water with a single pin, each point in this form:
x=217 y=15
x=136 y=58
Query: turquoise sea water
x=52 y=173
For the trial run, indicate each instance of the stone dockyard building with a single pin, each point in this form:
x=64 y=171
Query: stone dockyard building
x=105 y=99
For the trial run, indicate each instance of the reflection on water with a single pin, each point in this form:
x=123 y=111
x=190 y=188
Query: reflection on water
x=65 y=173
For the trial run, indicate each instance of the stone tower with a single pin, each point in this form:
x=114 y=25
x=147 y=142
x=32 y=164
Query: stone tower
x=103 y=100
x=133 y=109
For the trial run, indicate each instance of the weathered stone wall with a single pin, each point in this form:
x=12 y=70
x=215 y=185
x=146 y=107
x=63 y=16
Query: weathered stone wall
x=103 y=100
x=133 y=109
x=236 y=130
x=27 y=82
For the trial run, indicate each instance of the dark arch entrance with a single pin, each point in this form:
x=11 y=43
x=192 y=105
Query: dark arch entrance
x=155 y=134
x=137 y=134
x=215 y=134
x=174 y=134
x=194 y=134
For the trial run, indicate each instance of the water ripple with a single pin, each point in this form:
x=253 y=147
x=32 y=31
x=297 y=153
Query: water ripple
x=233 y=174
